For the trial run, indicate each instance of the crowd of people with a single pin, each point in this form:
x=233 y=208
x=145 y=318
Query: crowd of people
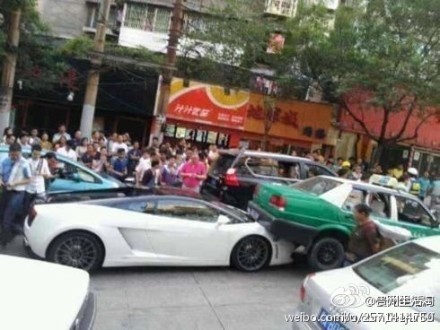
x=425 y=186
x=181 y=165
x=23 y=180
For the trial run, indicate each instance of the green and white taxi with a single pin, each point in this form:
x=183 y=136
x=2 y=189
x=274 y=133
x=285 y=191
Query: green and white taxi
x=317 y=214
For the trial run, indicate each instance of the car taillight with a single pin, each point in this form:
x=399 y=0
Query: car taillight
x=302 y=291
x=278 y=201
x=231 y=178
x=31 y=215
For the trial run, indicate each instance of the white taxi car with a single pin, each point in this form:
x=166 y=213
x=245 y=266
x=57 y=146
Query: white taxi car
x=398 y=287
x=42 y=295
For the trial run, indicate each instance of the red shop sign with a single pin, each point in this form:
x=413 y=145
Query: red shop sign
x=197 y=104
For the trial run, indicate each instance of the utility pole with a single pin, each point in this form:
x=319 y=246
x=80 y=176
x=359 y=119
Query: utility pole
x=88 y=111
x=9 y=64
x=175 y=32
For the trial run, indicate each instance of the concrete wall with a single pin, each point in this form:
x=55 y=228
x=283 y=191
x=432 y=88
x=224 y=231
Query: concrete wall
x=65 y=17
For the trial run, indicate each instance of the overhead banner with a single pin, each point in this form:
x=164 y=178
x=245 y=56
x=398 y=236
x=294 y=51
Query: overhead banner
x=208 y=104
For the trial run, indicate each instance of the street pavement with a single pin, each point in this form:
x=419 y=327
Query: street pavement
x=192 y=298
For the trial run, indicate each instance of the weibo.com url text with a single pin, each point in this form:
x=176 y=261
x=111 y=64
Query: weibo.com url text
x=404 y=318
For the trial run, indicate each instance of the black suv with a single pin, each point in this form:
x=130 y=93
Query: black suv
x=235 y=174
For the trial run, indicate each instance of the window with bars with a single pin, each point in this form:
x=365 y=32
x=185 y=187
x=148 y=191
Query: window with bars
x=147 y=18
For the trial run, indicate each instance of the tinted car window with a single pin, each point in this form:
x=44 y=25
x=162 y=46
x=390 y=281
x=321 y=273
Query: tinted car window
x=320 y=170
x=354 y=198
x=380 y=204
x=257 y=166
x=411 y=211
x=317 y=185
x=188 y=210
x=222 y=164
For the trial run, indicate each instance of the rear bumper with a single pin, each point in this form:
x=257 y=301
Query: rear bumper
x=281 y=228
x=300 y=325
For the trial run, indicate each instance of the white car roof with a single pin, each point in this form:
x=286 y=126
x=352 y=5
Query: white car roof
x=431 y=243
x=40 y=295
x=369 y=186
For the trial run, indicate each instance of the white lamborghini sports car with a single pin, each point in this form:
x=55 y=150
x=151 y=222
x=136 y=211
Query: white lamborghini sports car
x=163 y=229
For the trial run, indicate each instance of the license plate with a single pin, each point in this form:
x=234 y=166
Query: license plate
x=329 y=325
x=254 y=214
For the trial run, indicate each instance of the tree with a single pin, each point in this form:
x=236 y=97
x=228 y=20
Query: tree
x=379 y=55
x=225 y=43
x=269 y=114
x=39 y=64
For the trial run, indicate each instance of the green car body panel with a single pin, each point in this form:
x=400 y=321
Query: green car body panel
x=309 y=210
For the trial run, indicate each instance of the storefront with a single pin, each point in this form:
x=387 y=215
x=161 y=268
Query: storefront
x=205 y=114
x=125 y=102
x=295 y=125
x=426 y=143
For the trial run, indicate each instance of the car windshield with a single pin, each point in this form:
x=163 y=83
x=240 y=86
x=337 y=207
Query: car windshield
x=407 y=270
x=317 y=185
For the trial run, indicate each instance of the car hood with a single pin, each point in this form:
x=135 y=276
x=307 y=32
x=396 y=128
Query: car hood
x=40 y=295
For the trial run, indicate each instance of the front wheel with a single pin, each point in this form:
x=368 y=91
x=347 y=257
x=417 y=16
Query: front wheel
x=77 y=249
x=326 y=253
x=251 y=254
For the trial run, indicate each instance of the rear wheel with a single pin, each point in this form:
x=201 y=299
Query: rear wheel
x=77 y=249
x=251 y=254
x=326 y=253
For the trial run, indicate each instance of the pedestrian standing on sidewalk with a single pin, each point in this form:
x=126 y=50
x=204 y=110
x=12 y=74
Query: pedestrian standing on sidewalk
x=169 y=176
x=193 y=173
x=144 y=165
x=39 y=173
x=119 y=165
x=134 y=155
x=15 y=175
x=150 y=176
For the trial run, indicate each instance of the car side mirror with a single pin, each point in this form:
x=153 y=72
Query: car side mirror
x=222 y=220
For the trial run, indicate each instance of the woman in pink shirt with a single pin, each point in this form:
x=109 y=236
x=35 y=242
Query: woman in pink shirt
x=193 y=172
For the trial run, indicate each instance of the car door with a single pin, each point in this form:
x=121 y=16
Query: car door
x=185 y=232
x=413 y=216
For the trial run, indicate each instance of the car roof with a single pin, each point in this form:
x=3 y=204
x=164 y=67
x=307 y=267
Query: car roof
x=371 y=187
x=253 y=153
x=431 y=243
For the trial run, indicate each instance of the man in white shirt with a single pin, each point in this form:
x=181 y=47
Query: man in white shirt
x=119 y=144
x=68 y=152
x=39 y=172
x=61 y=132
x=14 y=177
x=144 y=165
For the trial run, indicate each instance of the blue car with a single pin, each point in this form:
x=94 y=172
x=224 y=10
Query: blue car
x=73 y=176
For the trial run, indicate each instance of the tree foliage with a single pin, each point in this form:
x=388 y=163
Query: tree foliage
x=226 y=43
x=383 y=54
x=38 y=62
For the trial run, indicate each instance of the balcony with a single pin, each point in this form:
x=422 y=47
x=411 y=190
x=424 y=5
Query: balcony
x=285 y=8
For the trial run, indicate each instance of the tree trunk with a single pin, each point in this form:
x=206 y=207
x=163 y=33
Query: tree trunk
x=378 y=153
x=264 y=141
